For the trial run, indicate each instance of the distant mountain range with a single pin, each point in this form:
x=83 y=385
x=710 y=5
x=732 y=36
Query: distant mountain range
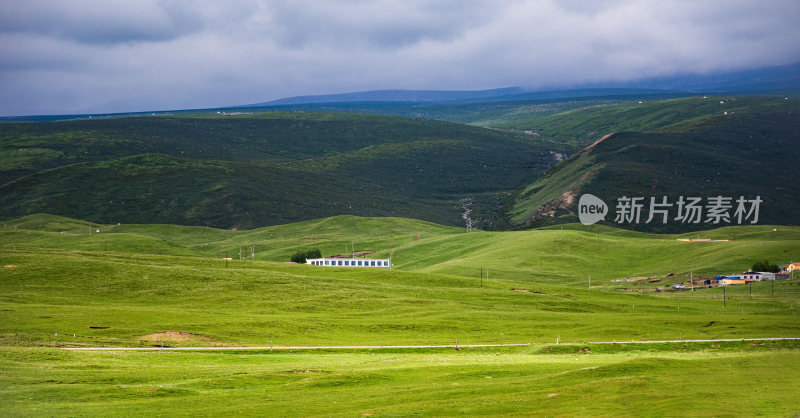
x=767 y=79
x=409 y=96
x=779 y=80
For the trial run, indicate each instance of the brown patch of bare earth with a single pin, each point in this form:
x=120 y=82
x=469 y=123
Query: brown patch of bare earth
x=305 y=371
x=564 y=201
x=525 y=290
x=568 y=197
x=594 y=144
x=171 y=337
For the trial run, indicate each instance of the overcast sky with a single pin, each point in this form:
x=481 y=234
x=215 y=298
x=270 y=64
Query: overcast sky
x=82 y=56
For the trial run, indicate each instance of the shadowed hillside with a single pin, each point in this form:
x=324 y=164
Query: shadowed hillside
x=730 y=153
x=253 y=170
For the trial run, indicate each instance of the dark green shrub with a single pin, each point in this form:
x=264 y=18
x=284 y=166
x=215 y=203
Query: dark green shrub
x=300 y=256
x=765 y=266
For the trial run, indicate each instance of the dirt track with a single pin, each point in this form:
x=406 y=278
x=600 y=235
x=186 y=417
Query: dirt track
x=372 y=347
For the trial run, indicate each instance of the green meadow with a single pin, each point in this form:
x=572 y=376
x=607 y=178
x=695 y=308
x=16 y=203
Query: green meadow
x=724 y=381
x=561 y=290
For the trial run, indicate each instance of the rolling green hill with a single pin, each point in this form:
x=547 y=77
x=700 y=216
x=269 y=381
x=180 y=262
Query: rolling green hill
x=562 y=255
x=129 y=284
x=59 y=276
x=506 y=112
x=742 y=153
x=253 y=170
x=586 y=124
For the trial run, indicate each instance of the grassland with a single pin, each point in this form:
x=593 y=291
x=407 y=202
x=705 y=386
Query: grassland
x=585 y=124
x=128 y=278
x=693 y=379
x=496 y=114
x=134 y=280
x=677 y=152
x=154 y=285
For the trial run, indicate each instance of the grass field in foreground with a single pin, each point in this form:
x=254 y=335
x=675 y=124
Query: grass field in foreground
x=723 y=380
x=152 y=285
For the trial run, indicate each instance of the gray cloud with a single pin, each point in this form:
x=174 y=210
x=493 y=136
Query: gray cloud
x=373 y=24
x=107 y=56
x=101 y=22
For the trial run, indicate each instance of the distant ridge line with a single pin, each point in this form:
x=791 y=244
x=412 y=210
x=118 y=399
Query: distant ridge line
x=394 y=96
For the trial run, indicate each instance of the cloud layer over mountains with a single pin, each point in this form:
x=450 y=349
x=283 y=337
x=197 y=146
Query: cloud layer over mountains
x=112 y=56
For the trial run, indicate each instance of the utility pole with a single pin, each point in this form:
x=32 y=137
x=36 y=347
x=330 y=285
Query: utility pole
x=723 y=297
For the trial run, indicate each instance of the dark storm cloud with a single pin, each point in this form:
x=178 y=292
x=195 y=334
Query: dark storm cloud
x=103 y=56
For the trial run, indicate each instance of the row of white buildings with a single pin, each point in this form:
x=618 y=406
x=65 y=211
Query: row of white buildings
x=381 y=263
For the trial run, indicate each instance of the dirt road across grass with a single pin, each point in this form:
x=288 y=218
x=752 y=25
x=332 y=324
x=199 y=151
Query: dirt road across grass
x=373 y=347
